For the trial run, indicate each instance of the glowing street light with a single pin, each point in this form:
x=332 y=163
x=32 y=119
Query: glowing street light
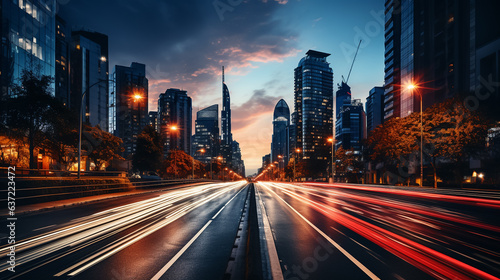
x=332 y=140
x=296 y=152
x=412 y=87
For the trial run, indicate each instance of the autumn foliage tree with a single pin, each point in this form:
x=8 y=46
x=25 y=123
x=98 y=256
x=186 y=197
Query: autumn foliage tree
x=101 y=146
x=451 y=134
x=178 y=164
x=27 y=114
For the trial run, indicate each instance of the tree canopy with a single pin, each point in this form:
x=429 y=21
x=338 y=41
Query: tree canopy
x=148 y=153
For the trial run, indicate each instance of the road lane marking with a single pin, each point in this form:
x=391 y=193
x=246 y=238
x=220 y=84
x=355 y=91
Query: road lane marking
x=276 y=272
x=139 y=234
x=335 y=244
x=164 y=269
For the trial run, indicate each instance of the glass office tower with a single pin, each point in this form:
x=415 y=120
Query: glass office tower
x=314 y=105
x=28 y=40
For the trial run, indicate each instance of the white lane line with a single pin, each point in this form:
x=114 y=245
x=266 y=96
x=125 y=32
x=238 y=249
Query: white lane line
x=164 y=269
x=137 y=235
x=274 y=260
x=335 y=244
x=217 y=214
x=179 y=254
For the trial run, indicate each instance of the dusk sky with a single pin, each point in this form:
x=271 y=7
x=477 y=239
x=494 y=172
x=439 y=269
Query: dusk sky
x=184 y=44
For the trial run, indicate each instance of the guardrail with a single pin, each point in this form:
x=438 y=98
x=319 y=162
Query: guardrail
x=46 y=173
x=37 y=194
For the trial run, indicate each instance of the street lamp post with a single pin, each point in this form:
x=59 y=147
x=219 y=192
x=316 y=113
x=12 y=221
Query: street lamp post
x=296 y=152
x=201 y=151
x=413 y=87
x=175 y=128
x=332 y=140
x=280 y=159
x=81 y=124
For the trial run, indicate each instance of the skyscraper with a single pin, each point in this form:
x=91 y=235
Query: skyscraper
x=62 y=78
x=206 y=135
x=237 y=164
x=226 y=134
x=89 y=74
x=174 y=120
x=280 y=145
x=430 y=44
x=128 y=104
x=342 y=94
x=314 y=105
x=28 y=40
x=153 y=119
x=350 y=126
x=374 y=108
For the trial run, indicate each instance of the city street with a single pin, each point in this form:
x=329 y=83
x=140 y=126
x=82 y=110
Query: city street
x=153 y=236
x=311 y=231
x=364 y=232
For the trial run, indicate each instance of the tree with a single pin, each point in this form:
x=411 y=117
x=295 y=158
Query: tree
x=455 y=134
x=27 y=113
x=148 y=153
x=450 y=133
x=101 y=146
x=178 y=164
x=62 y=136
x=349 y=164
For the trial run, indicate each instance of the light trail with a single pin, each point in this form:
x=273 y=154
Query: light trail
x=337 y=206
x=151 y=214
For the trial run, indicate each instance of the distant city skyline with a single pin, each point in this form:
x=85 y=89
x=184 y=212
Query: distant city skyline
x=259 y=42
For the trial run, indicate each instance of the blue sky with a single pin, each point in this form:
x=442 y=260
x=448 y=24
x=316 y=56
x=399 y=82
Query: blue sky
x=184 y=44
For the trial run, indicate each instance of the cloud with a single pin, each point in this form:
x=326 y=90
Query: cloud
x=185 y=43
x=259 y=104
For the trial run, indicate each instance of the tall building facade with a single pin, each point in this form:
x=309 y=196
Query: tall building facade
x=374 y=108
x=128 y=104
x=342 y=95
x=392 y=86
x=280 y=146
x=351 y=126
x=89 y=75
x=237 y=164
x=28 y=40
x=485 y=57
x=313 y=90
x=429 y=44
x=226 y=134
x=206 y=135
x=153 y=119
x=62 y=78
x=174 y=120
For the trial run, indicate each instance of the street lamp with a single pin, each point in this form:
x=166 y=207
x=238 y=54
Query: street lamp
x=332 y=140
x=211 y=162
x=413 y=87
x=280 y=158
x=81 y=123
x=201 y=151
x=174 y=128
x=296 y=152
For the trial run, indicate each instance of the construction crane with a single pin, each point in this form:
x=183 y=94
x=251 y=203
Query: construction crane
x=354 y=59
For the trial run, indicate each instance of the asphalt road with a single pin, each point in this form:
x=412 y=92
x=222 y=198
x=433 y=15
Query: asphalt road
x=273 y=231
x=179 y=234
x=363 y=232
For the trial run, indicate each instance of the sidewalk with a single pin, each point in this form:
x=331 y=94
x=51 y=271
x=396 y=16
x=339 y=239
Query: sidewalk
x=52 y=205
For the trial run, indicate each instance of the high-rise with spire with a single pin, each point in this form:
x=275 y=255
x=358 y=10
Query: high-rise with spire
x=226 y=135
